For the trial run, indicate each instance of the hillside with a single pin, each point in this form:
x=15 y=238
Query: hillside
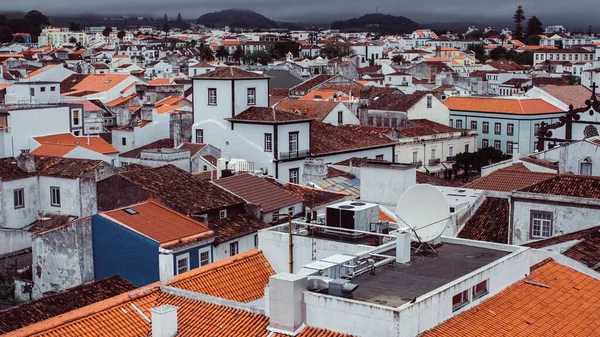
x=236 y=18
x=382 y=23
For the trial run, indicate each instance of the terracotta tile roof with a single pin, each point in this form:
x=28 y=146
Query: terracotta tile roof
x=562 y=238
x=575 y=95
x=542 y=81
x=587 y=251
x=69 y=168
x=570 y=306
x=171 y=100
x=121 y=100
x=230 y=73
x=240 y=278
x=62 y=302
x=529 y=106
x=53 y=150
x=395 y=102
x=508 y=180
x=567 y=185
x=9 y=170
x=312 y=197
x=360 y=161
x=167 y=108
x=193 y=147
x=540 y=162
x=313 y=109
x=92 y=82
x=423 y=178
x=325 y=138
x=279 y=92
x=95 y=144
x=100 y=65
x=425 y=127
x=180 y=191
x=310 y=331
x=87 y=105
x=311 y=83
x=267 y=115
x=489 y=223
x=333 y=172
x=166 y=143
x=40 y=70
x=206 y=175
x=258 y=191
x=507 y=65
x=235 y=226
x=321 y=94
x=151 y=218
x=160 y=81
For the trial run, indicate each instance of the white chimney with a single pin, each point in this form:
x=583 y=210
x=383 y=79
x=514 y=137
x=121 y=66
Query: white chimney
x=403 y=247
x=285 y=302
x=515 y=155
x=166 y=268
x=164 y=321
x=221 y=165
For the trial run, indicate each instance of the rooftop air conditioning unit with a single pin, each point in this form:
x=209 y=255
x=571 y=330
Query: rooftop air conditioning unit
x=352 y=215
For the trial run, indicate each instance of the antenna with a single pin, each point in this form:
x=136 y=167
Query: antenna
x=424 y=209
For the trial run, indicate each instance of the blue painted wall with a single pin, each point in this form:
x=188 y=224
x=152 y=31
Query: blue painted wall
x=194 y=256
x=118 y=250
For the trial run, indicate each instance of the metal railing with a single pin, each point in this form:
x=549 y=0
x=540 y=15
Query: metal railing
x=294 y=154
x=434 y=161
x=418 y=163
x=450 y=158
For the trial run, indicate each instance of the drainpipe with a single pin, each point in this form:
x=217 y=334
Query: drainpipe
x=291 y=246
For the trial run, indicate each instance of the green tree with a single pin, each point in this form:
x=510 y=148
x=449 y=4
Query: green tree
x=280 y=49
x=206 y=54
x=107 y=30
x=479 y=51
x=398 y=59
x=166 y=18
x=36 y=18
x=179 y=18
x=474 y=161
x=337 y=49
x=74 y=27
x=518 y=18
x=533 y=40
x=534 y=26
x=498 y=53
x=222 y=53
x=121 y=35
x=72 y=40
x=238 y=54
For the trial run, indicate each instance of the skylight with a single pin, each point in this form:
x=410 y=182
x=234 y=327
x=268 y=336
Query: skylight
x=130 y=211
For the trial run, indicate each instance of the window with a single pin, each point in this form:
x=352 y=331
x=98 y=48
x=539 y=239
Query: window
x=31 y=91
x=340 y=117
x=480 y=289
x=466 y=148
x=497 y=145
x=212 y=96
x=429 y=102
x=256 y=240
x=484 y=143
x=42 y=89
x=183 y=263
x=451 y=123
x=124 y=141
x=52 y=88
x=510 y=129
x=55 y=196
x=233 y=248
x=451 y=151
x=460 y=300
x=486 y=127
x=379 y=157
x=585 y=168
x=536 y=127
x=509 y=147
x=541 y=224
x=473 y=125
x=19 y=198
x=293 y=141
x=268 y=142
x=432 y=154
x=251 y=96
x=222 y=214
x=459 y=124
x=204 y=258
x=415 y=156
x=294 y=175
x=200 y=136
x=75 y=117
x=291 y=210
x=497 y=128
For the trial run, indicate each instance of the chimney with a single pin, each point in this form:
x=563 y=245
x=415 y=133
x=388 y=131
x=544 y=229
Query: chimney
x=285 y=306
x=563 y=157
x=515 y=155
x=176 y=131
x=25 y=161
x=221 y=165
x=166 y=268
x=403 y=247
x=164 y=321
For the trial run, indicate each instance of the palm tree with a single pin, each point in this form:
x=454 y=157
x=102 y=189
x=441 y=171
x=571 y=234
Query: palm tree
x=222 y=53
x=238 y=54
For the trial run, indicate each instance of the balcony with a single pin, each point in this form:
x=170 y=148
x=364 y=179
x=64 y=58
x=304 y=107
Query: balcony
x=294 y=154
x=433 y=162
x=450 y=158
x=417 y=163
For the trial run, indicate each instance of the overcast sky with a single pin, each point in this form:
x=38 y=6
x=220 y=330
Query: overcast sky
x=422 y=11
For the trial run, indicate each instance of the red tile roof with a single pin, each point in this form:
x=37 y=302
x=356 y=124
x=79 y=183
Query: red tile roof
x=508 y=180
x=62 y=302
x=311 y=83
x=313 y=109
x=258 y=191
x=568 y=306
x=166 y=143
x=193 y=147
x=230 y=73
x=69 y=168
x=396 y=102
x=587 y=251
x=567 y=185
x=161 y=224
x=10 y=171
x=575 y=95
x=235 y=226
x=325 y=138
x=507 y=65
x=93 y=143
x=423 y=178
x=531 y=106
x=267 y=115
x=489 y=223
x=425 y=127
x=312 y=197
x=240 y=278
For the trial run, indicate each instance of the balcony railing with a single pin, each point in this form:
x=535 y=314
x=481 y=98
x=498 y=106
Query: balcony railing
x=294 y=154
x=433 y=162
x=417 y=163
x=450 y=158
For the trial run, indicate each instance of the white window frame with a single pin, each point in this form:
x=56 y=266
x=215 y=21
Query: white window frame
x=541 y=219
x=251 y=96
x=181 y=257
x=296 y=177
x=465 y=300
x=54 y=196
x=19 y=198
x=483 y=293
x=235 y=244
x=585 y=168
x=498 y=145
x=222 y=214
x=268 y=142
x=212 y=96
x=202 y=251
x=510 y=129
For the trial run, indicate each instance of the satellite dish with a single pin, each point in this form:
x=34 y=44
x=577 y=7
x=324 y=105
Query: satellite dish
x=425 y=210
